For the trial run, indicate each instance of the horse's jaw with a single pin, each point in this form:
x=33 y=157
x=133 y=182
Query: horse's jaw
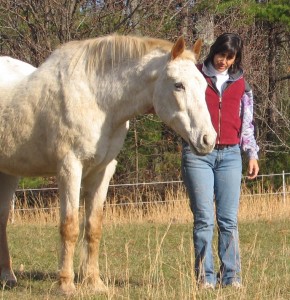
x=200 y=137
x=201 y=140
x=202 y=145
x=202 y=151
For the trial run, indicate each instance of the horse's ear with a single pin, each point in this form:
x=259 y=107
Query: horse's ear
x=197 y=48
x=178 y=47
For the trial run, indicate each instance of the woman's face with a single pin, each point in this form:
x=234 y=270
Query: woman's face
x=223 y=61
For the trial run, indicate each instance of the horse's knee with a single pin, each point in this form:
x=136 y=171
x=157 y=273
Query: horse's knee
x=4 y=213
x=93 y=228
x=69 y=229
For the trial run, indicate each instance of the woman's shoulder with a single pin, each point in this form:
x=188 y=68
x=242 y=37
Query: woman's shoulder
x=240 y=75
x=248 y=88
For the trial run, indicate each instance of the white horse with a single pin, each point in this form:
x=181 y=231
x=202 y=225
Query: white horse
x=69 y=118
x=13 y=70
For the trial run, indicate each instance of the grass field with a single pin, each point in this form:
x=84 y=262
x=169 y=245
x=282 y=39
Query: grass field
x=149 y=255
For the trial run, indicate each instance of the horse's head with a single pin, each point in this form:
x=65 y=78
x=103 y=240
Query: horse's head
x=179 y=99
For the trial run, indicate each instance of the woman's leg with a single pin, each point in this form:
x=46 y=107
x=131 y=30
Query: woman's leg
x=228 y=174
x=199 y=181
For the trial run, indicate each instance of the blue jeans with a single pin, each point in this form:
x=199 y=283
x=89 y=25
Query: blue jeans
x=216 y=174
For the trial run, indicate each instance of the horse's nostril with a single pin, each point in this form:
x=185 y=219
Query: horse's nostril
x=205 y=139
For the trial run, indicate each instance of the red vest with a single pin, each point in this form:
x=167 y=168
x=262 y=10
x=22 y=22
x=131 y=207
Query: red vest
x=225 y=110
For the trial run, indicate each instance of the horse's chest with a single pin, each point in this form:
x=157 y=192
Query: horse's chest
x=109 y=145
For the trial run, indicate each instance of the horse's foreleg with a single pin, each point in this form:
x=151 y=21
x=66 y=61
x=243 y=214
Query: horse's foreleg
x=69 y=179
x=8 y=184
x=95 y=192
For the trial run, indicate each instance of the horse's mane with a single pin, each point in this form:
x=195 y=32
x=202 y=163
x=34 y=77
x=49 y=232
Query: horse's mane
x=109 y=51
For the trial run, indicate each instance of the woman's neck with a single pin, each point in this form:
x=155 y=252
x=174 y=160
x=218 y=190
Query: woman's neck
x=216 y=72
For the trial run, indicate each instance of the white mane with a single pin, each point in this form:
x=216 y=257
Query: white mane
x=104 y=53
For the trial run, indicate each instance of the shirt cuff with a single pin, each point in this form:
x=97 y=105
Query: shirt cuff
x=252 y=154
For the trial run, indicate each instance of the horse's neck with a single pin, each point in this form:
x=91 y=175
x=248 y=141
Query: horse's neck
x=138 y=84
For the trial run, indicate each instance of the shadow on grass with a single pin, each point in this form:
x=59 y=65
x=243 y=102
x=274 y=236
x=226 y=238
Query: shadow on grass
x=36 y=275
x=122 y=283
x=53 y=276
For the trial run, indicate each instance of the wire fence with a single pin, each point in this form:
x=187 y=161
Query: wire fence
x=269 y=184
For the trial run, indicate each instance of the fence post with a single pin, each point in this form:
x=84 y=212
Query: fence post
x=284 y=187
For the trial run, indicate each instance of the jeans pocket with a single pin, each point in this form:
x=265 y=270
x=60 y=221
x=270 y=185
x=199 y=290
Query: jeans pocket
x=235 y=149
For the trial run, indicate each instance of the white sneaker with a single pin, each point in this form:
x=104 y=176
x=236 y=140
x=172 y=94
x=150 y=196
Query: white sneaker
x=206 y=286
x=235 y=284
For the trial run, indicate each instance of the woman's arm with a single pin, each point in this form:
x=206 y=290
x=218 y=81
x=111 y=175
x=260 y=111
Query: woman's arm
x=248 y=141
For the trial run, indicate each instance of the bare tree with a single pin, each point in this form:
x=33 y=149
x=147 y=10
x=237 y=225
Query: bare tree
x=31 y=29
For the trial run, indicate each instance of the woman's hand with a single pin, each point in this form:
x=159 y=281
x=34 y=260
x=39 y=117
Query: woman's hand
x=253 y=169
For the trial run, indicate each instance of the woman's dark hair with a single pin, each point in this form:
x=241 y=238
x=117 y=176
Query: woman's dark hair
x=229 y=43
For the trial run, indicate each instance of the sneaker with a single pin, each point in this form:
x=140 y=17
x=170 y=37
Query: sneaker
x=235 y=284
x=206 y=286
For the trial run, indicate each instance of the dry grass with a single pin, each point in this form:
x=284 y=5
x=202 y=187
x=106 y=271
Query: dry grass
x=147 y=250
x=173 y=208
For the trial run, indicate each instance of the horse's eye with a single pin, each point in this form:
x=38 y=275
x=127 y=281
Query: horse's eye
x=179 y=86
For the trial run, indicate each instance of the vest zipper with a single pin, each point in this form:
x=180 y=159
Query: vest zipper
x=220 y=118
x=220 y=114
x=220 y=111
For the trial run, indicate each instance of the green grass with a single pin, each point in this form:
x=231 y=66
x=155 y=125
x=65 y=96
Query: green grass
x=33 y=182
x=152 y=261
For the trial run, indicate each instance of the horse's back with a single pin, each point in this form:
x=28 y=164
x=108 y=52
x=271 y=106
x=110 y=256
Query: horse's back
x=12 y=70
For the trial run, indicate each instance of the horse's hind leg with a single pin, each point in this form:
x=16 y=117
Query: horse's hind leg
x=95 y=188
x=8 y=185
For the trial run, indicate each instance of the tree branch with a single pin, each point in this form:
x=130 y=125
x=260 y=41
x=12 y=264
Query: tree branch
x=283 y=78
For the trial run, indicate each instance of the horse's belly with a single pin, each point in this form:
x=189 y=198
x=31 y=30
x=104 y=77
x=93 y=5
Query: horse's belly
x=26 y=166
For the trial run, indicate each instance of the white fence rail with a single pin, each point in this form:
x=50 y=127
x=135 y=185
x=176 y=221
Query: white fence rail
x=283 y=190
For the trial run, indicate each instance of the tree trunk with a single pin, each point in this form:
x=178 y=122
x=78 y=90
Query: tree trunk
x=272 y=97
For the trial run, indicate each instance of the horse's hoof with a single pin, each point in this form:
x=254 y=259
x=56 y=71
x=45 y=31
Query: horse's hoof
x=96 y=290
x=100 y=288
x=95 y=287
x=67 y=289
x=8 y=279
x=9 y=283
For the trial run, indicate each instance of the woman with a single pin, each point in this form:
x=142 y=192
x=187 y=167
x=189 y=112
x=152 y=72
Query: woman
x=213 y=181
